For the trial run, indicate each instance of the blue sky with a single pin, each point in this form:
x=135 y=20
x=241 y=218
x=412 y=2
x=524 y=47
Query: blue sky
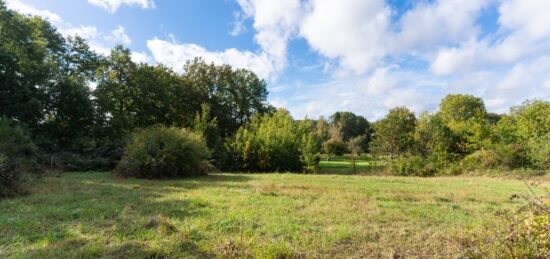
x=320 y=56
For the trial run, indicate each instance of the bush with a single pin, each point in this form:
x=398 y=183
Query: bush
x=481 y=159
x=498 y=157
x=415 y=166
x=17 y=158
x=68 y=161
x=274 y=143
x=160 y=152
x=539 y=151
x=524 y=233
x=335 y=147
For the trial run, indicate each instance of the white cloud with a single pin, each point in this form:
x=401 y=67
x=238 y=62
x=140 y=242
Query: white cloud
x=31 y=10
x=526 y=30
x=274 y=24
x=442 y=22
x=525 y=80
x=113 y=5
x=100 y=41
x=141 y=57
x=175 y=54
x=353 y=31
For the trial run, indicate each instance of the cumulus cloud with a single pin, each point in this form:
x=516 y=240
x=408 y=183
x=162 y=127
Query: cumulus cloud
x=526 y=33
x=28 y=9
x=113 y=5
x=353 y=31
x=99 y=41
x=441 y=22
x=374 y=56
x=274 y=24
x=175 y=54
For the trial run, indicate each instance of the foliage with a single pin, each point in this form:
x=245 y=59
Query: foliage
x=17 y=158
x=394 y=134
x=538 y=151
x=524 y=233
x=273 y=143
x=415 y=166
x=357 y=145
x=466 y=116
x=434 y=140
x=335 y=147
x=350 y=125
x=160 y=152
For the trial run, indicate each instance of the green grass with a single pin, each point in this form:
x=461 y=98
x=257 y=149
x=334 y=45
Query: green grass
x=249 y=215
x=343 y=165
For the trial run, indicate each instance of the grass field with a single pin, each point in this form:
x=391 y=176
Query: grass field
x=249 y=215
x=343 y=165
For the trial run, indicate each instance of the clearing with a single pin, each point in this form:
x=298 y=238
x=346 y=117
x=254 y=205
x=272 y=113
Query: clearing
x=249 y=215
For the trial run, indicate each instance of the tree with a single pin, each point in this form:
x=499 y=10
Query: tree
x=393 y=135
x=433 y=139
x=350 y=125
x=272 y=143
x=233 y=94
x=17 y=152
x=355 y=146
x=466 y=116
x=114 y=94
x=30 y=54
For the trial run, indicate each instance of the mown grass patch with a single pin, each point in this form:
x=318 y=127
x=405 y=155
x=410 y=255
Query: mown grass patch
x=249 y=215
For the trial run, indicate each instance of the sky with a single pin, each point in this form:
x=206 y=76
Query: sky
x=322 y=56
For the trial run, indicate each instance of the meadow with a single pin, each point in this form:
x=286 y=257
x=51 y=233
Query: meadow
x=94 y=214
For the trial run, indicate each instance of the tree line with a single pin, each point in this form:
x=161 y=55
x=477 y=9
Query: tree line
x=65 y=106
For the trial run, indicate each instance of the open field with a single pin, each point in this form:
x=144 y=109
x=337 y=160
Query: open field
x=260 y=215
x=343 y=165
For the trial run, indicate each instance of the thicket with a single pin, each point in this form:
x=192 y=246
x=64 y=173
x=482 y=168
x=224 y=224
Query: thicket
x=162 y=152
x=17 y=158
x=521 y=233
x=275 y=143
x=461 y=137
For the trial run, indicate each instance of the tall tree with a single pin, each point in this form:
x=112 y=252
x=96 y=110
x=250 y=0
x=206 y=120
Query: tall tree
x=233 y=95
x=394 y=134
x=467 y=117
x=351 y=125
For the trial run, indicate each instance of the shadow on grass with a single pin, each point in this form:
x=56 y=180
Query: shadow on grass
x=97 y=215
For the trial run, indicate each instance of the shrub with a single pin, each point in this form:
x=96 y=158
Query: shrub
x=274 y=143
x=481 y=159
x=160 y=152
x=335 y=147
x=17 y=158
x=524 y=233
x=414 y=166
x=498 y=157
x=538 y=150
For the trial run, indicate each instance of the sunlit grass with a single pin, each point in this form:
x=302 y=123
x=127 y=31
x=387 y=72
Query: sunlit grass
x=249 y=215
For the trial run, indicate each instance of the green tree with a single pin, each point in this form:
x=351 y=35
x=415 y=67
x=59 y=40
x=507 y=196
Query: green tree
x=30 y=54
x=466 y=116
x=394 y=134
x=273 y=143
x=234 y=95
x=350 y=125
x=17 y=153
x=433 y=139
